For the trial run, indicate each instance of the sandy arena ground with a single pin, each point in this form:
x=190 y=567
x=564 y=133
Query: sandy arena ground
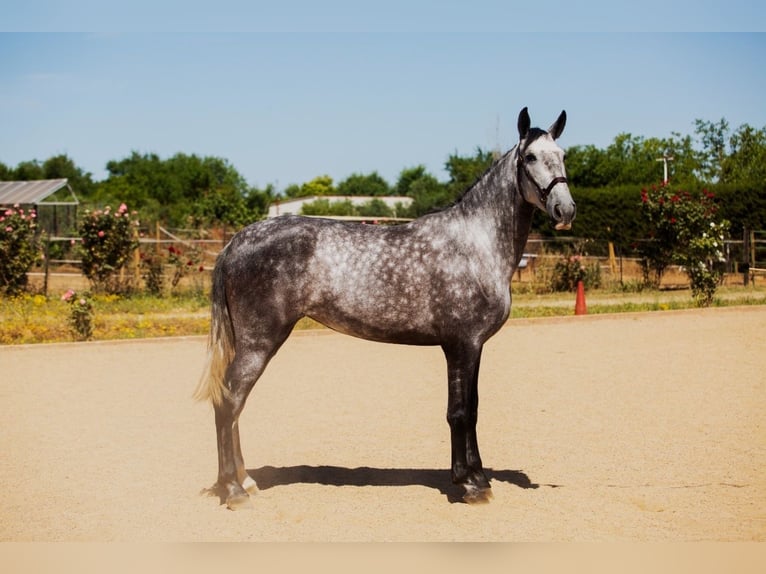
x=636 y=427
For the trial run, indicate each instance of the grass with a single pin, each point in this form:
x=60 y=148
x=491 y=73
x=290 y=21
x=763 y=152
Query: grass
x=602 y=301
x=37 y=319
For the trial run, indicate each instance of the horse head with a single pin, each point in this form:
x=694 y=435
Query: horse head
x=541 y=175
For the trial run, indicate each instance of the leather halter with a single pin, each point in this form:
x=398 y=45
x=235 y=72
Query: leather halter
x=544 y=191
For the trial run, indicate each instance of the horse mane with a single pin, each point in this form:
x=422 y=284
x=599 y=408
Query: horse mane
x=467 y=190
x=532 y=135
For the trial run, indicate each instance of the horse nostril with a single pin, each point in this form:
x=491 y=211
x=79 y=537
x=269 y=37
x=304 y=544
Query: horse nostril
x=557 y=211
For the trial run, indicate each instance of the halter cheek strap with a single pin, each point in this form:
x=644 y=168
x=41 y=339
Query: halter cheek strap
x=544 y=192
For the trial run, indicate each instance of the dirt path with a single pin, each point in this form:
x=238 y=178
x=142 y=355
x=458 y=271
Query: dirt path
x=631 y=427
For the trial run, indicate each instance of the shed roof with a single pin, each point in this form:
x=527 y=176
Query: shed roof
x=33 y=192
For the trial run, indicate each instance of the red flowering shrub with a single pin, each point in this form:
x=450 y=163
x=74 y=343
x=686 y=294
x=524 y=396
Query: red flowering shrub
x=183 y=264
x=685 y=230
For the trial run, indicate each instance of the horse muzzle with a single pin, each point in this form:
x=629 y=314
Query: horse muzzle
x=561 y=207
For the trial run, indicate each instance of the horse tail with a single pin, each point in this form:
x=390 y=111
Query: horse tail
x=220 y=344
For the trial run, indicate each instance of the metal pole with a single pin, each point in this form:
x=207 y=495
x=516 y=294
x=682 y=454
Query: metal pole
x=665 y=159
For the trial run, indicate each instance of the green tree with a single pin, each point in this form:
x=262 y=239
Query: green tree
x=320 y=185
x=28 y=171
x=292 y=191
x=464 y=171
x=56 y=167
x=425 y=190
x=375 y=208
x=219 y=207
x=140 y=180
x=428 y=194
x=406 y=177
x=632 y=160
x=258 y=200
x=712 y=136
x=370 y=185
x=587 y=166
x=6 y=173
x=746 y=162
x=168 y=190
x=62 y=166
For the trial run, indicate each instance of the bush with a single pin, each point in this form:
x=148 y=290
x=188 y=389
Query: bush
x=687 y=230
x=570 y=270
x=19 y=247
x=152 y=273
x=80 y=315
x=184 y=264
x=108 y=239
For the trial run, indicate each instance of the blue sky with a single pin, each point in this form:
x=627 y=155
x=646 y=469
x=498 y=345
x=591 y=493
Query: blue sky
x=284 y=107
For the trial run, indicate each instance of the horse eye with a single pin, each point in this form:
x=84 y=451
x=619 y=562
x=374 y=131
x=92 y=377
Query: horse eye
x=530 y=157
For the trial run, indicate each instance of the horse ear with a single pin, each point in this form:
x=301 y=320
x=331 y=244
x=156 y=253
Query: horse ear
x=523 y=123
x=558 y=126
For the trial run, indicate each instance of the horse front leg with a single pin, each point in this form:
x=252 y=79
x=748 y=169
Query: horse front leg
x=462 y=415
x=477 y=476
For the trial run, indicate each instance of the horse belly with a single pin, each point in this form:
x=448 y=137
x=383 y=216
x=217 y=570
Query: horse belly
x=374 y=317
x=422 y=313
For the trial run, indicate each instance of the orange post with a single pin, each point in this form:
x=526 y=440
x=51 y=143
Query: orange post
x=580 y=307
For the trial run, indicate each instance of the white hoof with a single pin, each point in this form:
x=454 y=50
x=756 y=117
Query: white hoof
x=249 y=485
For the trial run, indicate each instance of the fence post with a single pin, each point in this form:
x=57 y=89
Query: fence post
x=746 y=257
x=137 y=258
x=612 y=260
x=47 y=263
x=752 y=248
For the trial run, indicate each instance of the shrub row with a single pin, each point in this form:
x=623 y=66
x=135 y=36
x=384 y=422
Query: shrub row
x=614 y=214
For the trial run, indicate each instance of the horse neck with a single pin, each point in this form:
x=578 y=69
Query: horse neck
x=495 y=205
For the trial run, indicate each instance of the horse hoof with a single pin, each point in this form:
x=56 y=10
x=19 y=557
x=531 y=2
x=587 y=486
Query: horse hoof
x=238 y=502
x=249 y=485
x=477 y=495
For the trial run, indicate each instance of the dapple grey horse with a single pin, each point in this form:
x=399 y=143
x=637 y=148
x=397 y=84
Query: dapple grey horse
x=442 y=279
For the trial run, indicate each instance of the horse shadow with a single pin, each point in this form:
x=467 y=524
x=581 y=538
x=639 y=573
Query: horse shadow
x=268 y=477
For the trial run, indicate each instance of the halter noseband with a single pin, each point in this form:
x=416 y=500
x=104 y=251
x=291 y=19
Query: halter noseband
x=544 y=192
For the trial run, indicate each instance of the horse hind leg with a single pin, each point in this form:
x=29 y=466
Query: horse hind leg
x=234 y=484
x=247 y=481
x=235 y=498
